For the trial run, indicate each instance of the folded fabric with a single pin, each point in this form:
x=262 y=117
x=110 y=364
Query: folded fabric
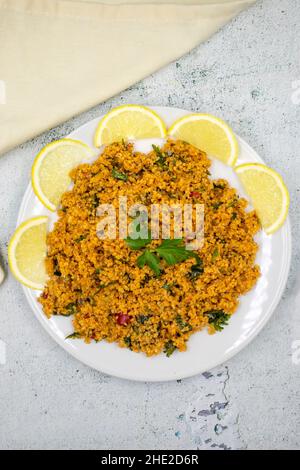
x=61 y=57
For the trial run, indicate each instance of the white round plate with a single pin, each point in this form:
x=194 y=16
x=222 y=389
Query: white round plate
x=203 y=350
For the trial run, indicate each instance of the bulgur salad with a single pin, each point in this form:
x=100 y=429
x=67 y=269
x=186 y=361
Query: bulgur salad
x=136 y=295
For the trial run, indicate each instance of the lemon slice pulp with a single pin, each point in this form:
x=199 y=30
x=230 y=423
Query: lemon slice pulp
x=27 y=252
x=50 y=171
x=129 y=122
x=268 y=193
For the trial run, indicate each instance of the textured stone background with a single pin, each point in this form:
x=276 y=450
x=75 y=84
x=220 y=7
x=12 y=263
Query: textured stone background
x=248 y=74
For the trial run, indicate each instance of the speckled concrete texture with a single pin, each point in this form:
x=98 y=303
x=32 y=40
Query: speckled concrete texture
x=249 y=74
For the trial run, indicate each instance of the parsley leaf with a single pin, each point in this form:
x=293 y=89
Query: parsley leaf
x=142 y=318
x=216 y=205
x=79 y=239
x=218 y=185
x=183 y=325
x=118 y=175
x=73 y=335
x=127 y=341
x=196 y=270
x=218 y=318
x=169 y=348
x=167 y=286
x=71 y=309
x=173 y=252
x=95 y=201
x=138 y=243
x=161 y=160
x=150 y=259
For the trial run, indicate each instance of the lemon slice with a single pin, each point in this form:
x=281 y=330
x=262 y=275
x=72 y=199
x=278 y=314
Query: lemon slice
x=129 y=122
x=50 y=171
x=27 y=252
x=208 y=133
x=268 y=193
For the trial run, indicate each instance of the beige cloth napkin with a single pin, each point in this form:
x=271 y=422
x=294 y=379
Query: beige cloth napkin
x=61 y=57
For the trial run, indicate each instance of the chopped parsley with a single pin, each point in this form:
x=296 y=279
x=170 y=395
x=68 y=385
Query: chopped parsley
x=167 y=286
x=118 y=175
x=142 y=319
x=161 y=160
x=218 y=318
x=150 y=259
x=71 y=309
x=173 y=251
x=182 y=324
x=95 y=201
x=127 y=341
x=79 y=239
x=219 y=185
x=216 y=205
x=169 y=348
x=138 y=242
x=196 y=270
x=73 y=335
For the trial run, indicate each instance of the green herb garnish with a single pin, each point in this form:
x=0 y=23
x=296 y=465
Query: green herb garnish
x=79 y=239
x=196 y=270
x=138 y=243
x=150 y=259
x=161 y=160
x=167 y=286
x=218 y=318
x=95 y=201
x=56 y=270
x=182 y=324
x=73 y=335
x=173 y=251
x=216 y=205
x=142 y=318
x=71 y=309
x=91 y=301
x=118 y=175
x=169 y=348
x=233 y=216
x=219 y=185
x=127 y=341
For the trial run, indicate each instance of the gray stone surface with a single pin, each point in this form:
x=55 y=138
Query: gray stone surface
x=249 y=74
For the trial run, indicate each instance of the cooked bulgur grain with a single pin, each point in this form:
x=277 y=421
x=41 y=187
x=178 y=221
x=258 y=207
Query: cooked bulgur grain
x=99 y=282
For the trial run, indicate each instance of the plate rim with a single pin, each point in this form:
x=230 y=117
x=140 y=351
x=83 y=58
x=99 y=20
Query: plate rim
x=259 y=325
